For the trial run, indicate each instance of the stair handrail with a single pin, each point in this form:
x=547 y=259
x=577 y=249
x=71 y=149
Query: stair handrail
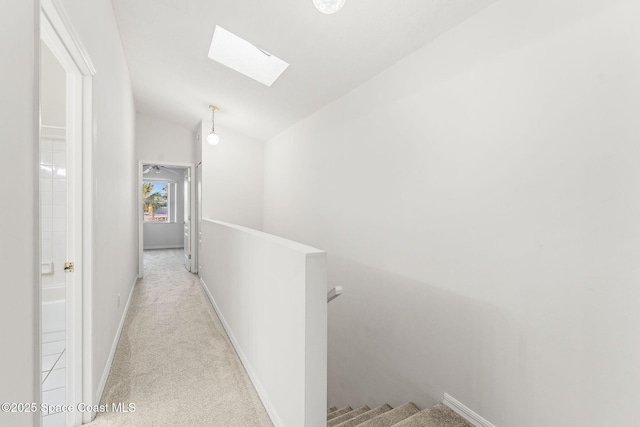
x=334 y=293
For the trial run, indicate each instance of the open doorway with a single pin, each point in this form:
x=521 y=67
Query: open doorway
x=65 y=221
x=166 y=205
x=54 y=246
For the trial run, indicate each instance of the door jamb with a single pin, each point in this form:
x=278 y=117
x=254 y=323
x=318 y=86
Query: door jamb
x=56 y=30
x=198 y=233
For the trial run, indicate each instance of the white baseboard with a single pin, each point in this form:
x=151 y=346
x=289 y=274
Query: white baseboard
x=271 y=411
x=112 y=353
x=465 y=412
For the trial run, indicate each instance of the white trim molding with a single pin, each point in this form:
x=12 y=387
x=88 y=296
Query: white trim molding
x=57 y=31
x=59 y=19
x=465 y=412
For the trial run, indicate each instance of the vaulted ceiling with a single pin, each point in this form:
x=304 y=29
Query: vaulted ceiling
x=166 y=44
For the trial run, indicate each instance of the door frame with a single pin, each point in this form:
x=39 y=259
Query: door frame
x=58 y=34
x=139 y=205
x=198 y=227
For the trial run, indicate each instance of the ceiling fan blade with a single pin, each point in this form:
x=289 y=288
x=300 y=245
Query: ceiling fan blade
x=170 y=170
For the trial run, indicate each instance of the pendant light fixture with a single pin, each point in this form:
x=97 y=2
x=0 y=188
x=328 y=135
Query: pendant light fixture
x=328 y=6
x=213 y=137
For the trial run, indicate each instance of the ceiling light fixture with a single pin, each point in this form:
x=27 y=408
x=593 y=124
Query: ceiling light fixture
x=328 y=6
x=213 y=137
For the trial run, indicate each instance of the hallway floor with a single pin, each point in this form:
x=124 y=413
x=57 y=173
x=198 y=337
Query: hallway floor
x=174 y=361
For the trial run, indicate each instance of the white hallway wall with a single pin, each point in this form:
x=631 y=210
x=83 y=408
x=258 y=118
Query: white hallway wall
x=479 y=204
x=53 y=93
x=114 y=173
x=162 y=141
x=232 y=174
x=19 y=230
x=232 y=177
x=114 y=167
x=159 y=140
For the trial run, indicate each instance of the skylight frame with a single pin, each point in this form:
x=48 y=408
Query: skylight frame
x=244 y=57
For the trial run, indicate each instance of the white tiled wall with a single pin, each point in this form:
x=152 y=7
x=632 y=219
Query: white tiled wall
x=53 y=201
x=53 y=174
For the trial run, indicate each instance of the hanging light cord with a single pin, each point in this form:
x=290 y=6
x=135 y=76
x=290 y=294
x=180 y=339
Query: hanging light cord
x=213 y=113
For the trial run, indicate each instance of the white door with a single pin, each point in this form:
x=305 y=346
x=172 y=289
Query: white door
x=187 y=219
x=199 y=212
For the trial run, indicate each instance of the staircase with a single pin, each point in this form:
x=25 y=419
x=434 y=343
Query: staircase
x=407 y=415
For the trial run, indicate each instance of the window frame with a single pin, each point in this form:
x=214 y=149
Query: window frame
x=171 y=202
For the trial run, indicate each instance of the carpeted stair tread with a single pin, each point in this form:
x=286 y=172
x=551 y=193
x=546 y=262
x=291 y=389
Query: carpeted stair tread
x=330 y=410
x=437 y=416
x=392 y=417
x=366 y=416
x=359 y=411
x=336 y=414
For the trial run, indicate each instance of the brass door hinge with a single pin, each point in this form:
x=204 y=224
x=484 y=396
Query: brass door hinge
x=68 y=267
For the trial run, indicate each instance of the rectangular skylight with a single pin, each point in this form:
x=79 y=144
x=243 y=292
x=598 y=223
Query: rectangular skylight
x=242 y=56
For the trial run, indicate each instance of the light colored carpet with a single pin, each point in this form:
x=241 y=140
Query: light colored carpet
x=348 y=416
x=436 y=416
x=338 y=412
x=366 y=416
x=393 y=416
x=407 y=415
x=174 y=360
